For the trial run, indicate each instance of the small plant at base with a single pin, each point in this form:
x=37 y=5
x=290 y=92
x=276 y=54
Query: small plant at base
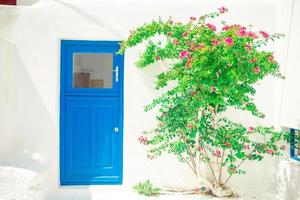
x=146 y=188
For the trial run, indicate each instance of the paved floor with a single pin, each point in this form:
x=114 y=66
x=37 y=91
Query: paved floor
x=23 y=184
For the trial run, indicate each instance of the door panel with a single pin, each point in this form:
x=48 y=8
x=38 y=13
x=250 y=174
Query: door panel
x=90 y=122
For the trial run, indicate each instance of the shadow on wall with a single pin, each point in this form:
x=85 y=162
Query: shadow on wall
x=35 y=144
x=288 y=178
x=30 y=169
x=26 y=165
x=5 y=98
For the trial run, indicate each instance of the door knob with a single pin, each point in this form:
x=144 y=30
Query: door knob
x=116 y=129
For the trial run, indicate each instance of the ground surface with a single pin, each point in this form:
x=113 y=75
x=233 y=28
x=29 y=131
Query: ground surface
x=23 y=184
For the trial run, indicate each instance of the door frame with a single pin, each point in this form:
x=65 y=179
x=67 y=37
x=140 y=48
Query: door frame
x=64 y=48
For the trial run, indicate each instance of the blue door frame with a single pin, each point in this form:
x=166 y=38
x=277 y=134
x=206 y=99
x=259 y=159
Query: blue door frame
x=91 y=120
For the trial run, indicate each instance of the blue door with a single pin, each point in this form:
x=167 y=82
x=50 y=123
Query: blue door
x=91 y=113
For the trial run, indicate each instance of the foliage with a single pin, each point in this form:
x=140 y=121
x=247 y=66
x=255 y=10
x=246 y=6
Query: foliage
x=146 y=188
x=213 y=70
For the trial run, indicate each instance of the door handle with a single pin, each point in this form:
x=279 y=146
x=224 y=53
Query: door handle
x=116 y=129
x=117 y=73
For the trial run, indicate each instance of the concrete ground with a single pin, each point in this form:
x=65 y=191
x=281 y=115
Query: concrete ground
x=23 y=184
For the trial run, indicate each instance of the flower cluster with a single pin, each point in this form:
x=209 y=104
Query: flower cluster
x=213 y=68
x=143 y=140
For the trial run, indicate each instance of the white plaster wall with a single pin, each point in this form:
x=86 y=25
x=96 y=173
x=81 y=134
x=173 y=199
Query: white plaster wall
x=5 y=98
x=35 y=32
x=290 y=112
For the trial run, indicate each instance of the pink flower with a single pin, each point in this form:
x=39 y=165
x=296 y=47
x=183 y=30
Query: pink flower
x=247 y=146
x=253 y=60
x=171 y=21
x=215 y=42
x=225 y=28
x=271 y=58
x=241 y=32
x=251 y=129
x=157 y=57
x=233 y=170
x=223 y=10
x=143 y=140
x=193 y=18
x=218 y=153
x=229 y=41
x=192 y=47
x=185 y=54
x=269 y=151
x=150 y=157
x=252 y=35
x=188 y=64
x=282 y=147
x=193 y=93
x=256 y=70
x=264 y=34
x=169 y=34
x=187 y=43
x=211 y=27
x=227 y=144
x=190 y=126
x=200 y=148
x=201 y=46
x=248 y=47
x=175 y=41
x=184 y=34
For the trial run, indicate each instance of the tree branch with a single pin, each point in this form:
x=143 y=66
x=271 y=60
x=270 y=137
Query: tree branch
x=189 y=152
x=242 y=161
x=221 y=166
x=209 y=165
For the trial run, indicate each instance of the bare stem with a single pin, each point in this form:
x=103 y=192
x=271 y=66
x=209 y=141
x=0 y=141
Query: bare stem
x=242 y=161
x=189 y=164
x=209 y=165
x=189 y=152
x=221 y=166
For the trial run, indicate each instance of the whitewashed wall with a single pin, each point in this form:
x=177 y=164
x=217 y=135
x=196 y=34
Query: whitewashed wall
x=290 y=104
x=5 y=97
x=33 y=34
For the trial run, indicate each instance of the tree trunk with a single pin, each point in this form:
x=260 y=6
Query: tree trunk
x=221 y=191
x=206 y=187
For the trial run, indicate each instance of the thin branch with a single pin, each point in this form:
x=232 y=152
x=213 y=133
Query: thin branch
x=242 y=161
x=209 y=164
x=189 y=152
x=221 y=166
x=189 y=164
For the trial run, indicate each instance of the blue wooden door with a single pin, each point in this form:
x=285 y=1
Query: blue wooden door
x=91 y=113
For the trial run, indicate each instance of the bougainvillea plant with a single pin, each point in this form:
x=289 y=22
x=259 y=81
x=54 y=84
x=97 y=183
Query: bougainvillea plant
x=210 y=71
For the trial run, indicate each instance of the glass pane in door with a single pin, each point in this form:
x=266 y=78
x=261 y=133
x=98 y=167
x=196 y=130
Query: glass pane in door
x=92 y=70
